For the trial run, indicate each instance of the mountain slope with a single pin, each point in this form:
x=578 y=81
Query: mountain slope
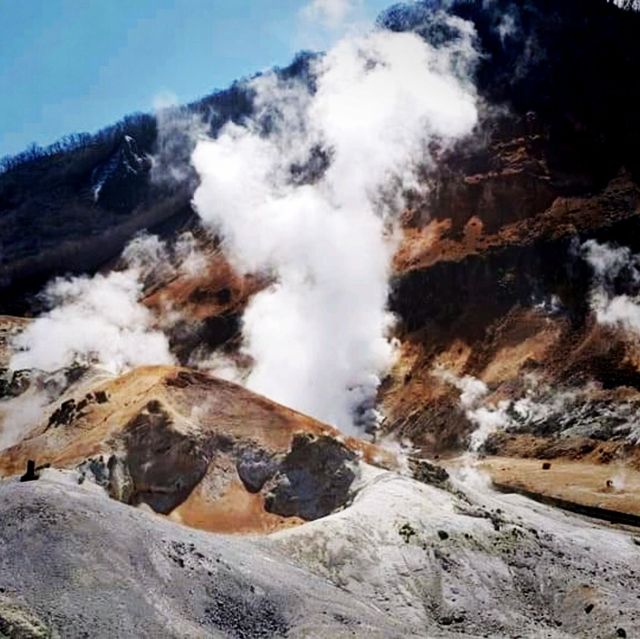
x=204 y=451
x=516 y=291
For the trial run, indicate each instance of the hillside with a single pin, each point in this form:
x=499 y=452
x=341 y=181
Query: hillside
x=486 y=329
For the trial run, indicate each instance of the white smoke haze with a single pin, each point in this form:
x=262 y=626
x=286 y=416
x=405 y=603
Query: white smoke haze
x=190 y=260
x=148 y=258
x=539 y=402
x=178 y=130
x=619 y=480
x=486 y=418
x=621 y=311
x=219 y=364
x=507 y=27
x=550 y=305
x=472 y=389
x=97 y=320
x=607 y=262
x=319 y=335
x=322 y=22
x=156 y=262
x=18 y=415
x=400 y=450
x=330 y=13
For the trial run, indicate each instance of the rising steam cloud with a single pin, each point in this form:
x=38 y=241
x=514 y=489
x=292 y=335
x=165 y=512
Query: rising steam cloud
x=609 y=263
x=98 y=320
x=537 y=404
x=306 y=192
x=487 y=419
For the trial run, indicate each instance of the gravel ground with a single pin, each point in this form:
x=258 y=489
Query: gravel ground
x=404 y=560
x=74 y=563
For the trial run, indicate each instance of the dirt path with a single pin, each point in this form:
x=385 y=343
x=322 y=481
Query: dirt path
x=610 y=487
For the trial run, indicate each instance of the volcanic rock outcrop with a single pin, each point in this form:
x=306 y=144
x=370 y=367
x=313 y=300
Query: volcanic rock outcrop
x=204 y=451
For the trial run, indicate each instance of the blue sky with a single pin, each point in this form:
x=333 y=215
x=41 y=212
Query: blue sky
x=77 y=65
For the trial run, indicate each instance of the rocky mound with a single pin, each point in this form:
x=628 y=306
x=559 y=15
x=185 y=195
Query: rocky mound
x=127 y=573
x=204 y=451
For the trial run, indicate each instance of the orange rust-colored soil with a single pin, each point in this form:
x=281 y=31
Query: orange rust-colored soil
x=614 y=487
x=181 y=414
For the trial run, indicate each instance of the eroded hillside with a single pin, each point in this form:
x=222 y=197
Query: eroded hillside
x=515 y=293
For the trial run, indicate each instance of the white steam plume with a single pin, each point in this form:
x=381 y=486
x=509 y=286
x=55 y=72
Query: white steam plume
x=486 y=418
x=540 y=402
x=97 y=320
x=472 y=389
x=311 y=202
x=19 y=415
x=608 y=262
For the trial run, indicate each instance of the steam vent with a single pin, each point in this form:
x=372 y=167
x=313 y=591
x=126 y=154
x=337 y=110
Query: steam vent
x=348 y=349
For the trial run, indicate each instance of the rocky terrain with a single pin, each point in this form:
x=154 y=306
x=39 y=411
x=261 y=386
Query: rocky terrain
x=405 y=559
x=199 y=449
x=496 y=496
